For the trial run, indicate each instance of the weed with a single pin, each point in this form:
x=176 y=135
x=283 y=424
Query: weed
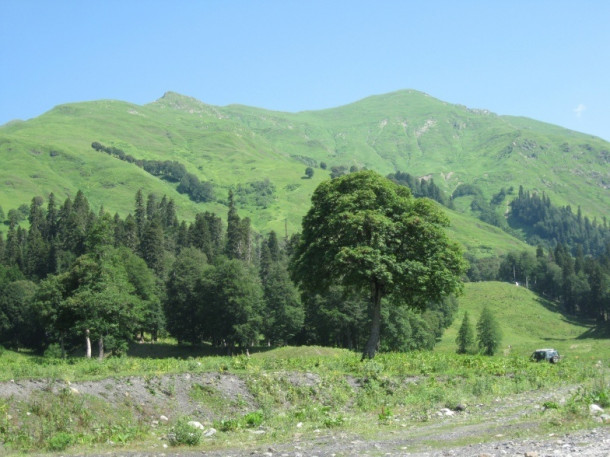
x=385 y=415
x=182 y=433
x=253 y=419
x=60 y=441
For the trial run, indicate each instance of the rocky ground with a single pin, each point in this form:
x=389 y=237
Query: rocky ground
x=489 y=429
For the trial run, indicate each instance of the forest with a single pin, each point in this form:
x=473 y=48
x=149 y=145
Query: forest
x=77 y=275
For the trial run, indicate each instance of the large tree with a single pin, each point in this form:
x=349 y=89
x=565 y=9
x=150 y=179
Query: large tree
x=367 y=233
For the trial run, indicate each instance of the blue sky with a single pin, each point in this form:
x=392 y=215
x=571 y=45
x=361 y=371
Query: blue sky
x=548 y=60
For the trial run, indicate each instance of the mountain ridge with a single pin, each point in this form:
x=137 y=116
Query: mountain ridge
x=233 y=145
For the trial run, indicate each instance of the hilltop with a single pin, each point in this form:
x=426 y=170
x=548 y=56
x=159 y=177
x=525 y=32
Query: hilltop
x=255 y=148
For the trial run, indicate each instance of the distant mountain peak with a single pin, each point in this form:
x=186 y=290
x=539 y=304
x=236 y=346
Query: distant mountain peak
x=181 y=102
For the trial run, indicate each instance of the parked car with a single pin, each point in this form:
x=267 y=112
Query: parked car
x=545 y=355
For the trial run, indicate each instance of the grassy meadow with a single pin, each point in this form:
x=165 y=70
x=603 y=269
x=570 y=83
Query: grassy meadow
x=406 y=130
x=304 y=391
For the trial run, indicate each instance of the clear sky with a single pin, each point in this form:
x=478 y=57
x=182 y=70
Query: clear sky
x=544 y=59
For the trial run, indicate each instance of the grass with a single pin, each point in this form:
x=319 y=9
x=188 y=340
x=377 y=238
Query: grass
x=308 y=391
x=406 y=130
x=393 y=390
x=528 y=322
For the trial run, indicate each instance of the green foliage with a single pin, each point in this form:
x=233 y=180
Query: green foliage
x=368 y=233
x=547 y=224
x=256 y=193
x=231 y=299
x=184 y=434
x=60 y=441
x=420 y=187
x=181 y=303
x=309 y=172
x=465 y=338
x=489 y=335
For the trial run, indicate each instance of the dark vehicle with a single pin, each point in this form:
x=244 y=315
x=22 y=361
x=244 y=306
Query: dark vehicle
x=545 y=355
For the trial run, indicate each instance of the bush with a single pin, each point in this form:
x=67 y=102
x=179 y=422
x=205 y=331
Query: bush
x=184 y=434
x=60 y=441
x=253 y=419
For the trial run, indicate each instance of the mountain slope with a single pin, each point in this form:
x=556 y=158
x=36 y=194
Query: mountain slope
x=527 y=321
x=228 y=146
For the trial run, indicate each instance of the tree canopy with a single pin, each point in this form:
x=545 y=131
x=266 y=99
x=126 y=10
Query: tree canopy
x=365 y=232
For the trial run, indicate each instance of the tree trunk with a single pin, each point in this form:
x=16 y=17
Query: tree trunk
x=100 y=345
x=88 y=344
x=371 y=345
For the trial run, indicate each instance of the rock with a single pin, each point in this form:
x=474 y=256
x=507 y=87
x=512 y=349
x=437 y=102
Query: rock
x=163 y=418
x=210 y=432
x=595 y=409
x=74 y=390
x=605 y=418
x=531 y=454
x=446 y=412
x=300 y=424
x=195 y=424
x=154 y=423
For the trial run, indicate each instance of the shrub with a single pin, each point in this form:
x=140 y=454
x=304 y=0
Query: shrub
x=60 y=441
x=184 y=434
x=253 y=419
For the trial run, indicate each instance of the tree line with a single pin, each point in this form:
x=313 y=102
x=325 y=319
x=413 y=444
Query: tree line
x=579 y=283
x=170 y=170
x=77 y=278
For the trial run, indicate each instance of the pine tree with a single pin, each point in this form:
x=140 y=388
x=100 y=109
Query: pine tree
x=465 y=337
x=52 y=219
x=489 y=334
x=234 y=248
x=140 y=213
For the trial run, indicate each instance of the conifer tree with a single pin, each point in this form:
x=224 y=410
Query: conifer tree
x=140 y=213
x=465 y=338
x=234 y=237
x=51 y=219
x=489 y=334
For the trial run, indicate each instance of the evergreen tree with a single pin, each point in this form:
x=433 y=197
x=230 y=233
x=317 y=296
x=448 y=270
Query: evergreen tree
x=284 y=314
x=231 y=300
x=489 y=335
x=36 y=217
x=465 y=337
x=152 y=247
x=182 y=307
x=51 y=219
x=234 y=248
x=140 y=214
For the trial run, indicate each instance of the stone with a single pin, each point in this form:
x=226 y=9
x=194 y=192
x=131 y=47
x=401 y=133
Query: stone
x=163 y=418
x=210 y=432
x=531 y=454
x=595 y=409
x=605 y=418
x=195 y=424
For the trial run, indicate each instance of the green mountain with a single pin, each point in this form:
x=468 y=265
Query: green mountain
x=528 y=321
x=261 y=151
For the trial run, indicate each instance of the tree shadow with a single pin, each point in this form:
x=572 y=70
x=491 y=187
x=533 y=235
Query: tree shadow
x=595 y=329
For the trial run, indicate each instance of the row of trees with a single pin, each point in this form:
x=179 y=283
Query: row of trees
x=550 y=225
x=488 y=338
x=77 y=275
x=170 y=170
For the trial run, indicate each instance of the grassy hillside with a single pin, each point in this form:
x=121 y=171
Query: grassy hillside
x=528 y=322
x=228 y=146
